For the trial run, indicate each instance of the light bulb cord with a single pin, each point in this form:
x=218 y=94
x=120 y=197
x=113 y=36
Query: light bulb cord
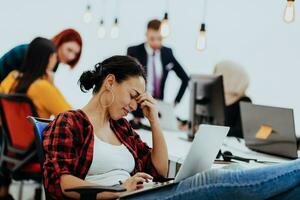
x=204 y=11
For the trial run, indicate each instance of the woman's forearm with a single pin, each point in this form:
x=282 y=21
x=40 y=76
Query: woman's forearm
x=159 y=154
x=70 y=181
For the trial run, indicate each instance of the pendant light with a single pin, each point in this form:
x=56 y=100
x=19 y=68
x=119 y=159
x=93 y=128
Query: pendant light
x=101 y=32
x=115 y=29
x=201 y=40
x=114 y=33
x=88 y=16
x=201 y=43
x=165 y=26
x=165 y=23
x=289 y=11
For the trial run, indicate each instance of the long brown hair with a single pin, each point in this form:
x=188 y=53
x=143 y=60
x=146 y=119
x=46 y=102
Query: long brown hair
x=35 y=63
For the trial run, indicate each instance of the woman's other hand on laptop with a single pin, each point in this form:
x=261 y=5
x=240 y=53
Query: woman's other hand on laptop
x=136 y=182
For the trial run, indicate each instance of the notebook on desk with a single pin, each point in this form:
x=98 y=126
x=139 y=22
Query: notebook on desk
x=200 y=157
x=269 y=129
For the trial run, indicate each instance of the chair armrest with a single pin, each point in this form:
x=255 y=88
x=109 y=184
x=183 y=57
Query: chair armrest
x=90 y=192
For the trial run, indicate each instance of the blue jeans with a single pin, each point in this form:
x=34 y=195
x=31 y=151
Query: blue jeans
x=280 y=181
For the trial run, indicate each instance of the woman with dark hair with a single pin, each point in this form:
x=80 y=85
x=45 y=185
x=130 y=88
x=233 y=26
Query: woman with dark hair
x=96 y=145
x=35 y=79
x=68 y=44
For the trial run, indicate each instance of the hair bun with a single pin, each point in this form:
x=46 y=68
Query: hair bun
x=90 y=78
x=87 y=81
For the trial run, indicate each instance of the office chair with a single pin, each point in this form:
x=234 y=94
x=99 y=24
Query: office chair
x=18 y=152
x=86 y=192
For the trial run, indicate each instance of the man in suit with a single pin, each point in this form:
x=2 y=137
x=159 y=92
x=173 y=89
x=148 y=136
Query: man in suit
x=158 y=61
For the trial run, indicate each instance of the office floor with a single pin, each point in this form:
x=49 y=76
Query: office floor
x=28 y=190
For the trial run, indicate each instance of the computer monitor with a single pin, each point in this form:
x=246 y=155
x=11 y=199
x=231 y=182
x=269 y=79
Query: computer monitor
x=207 y=103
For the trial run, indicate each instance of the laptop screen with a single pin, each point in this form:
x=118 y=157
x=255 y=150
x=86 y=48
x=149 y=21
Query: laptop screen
x=269 y=129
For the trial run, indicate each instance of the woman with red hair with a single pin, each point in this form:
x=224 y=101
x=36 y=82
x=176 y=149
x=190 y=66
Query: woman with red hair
x=68 y=46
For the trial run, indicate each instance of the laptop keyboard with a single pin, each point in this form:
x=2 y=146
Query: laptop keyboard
x=151 y=184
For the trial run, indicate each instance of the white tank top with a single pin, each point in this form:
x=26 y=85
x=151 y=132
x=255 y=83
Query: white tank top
x=111 y=163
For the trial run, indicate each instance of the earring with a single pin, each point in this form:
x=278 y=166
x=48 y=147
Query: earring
x=112 y=101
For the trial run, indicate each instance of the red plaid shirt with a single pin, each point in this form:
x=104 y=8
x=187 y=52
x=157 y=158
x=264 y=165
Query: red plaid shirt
x=68 y=144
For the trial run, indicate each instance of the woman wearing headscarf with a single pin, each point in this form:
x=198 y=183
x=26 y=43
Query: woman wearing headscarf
x=236 y=82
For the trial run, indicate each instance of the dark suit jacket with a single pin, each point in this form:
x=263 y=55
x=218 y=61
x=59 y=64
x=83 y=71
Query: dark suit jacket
x=168 y=63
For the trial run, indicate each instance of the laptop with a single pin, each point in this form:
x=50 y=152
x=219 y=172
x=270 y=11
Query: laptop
x=167 y=117
x=200 y=157
x=269 y=129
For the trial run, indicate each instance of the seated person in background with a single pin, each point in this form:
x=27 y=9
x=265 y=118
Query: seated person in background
x=236 y=82
x=96 y=145
x=68 y=44
x=35 y=79
x=158 y=61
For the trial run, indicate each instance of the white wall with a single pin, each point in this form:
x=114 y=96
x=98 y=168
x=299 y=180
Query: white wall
x=249 y=32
